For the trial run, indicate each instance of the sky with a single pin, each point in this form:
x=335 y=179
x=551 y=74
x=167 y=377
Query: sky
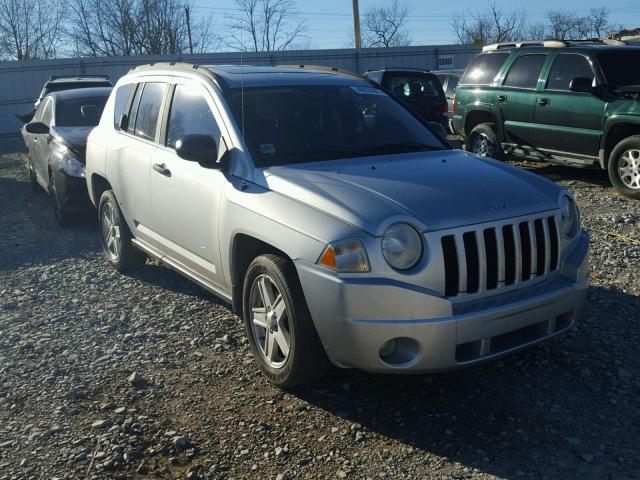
x=329 y=22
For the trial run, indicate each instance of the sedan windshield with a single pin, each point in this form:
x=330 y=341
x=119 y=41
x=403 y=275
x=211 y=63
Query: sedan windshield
x=80 y=112
x=619 y=68
x=306 y=123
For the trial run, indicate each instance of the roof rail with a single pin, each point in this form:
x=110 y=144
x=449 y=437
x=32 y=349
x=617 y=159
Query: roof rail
x=182 y=66
x=56 y=77
x=551 y=43
x=324 y=68
x=424 y=70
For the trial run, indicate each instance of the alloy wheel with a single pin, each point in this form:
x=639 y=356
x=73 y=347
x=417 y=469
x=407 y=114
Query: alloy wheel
x=629 y=169
x=111 y=231
x=269 y=321
x=481 y=145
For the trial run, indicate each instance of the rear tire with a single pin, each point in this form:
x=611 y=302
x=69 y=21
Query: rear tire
x=624 y=167
x=483 y=141
x=281 y=334
x=116 y=236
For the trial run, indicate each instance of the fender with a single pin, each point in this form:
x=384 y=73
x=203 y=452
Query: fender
x=610 y=123
x=488 y=108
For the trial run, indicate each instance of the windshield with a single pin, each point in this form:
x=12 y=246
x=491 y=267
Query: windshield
x=306 y=123
x=619 y=68
x=80 y=112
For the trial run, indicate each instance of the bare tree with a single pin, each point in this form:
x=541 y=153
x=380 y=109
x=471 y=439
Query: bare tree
x=564 y=25
x=598 y=22
x=385 y=26
x=265 y=26
x=30 y=29
x=138 y=27
x=490 y=26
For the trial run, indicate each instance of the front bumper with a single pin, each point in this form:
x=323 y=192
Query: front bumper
x=356 y=317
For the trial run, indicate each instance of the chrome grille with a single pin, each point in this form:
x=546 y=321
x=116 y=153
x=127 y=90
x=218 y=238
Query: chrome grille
x=490 y=258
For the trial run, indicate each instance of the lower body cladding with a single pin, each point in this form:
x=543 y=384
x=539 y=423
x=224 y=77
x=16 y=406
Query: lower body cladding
x=384 y=326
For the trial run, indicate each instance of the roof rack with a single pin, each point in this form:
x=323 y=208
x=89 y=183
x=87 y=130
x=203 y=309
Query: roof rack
x=182 y=66
x=551 y=43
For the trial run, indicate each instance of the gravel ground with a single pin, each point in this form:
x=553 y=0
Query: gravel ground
x=147 y=376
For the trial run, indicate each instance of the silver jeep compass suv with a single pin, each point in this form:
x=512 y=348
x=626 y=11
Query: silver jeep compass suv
x=334 y=221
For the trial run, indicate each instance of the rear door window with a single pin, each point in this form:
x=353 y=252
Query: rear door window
x=149 y=110
x=483 y=69
x=525 y=71
x=565 y=68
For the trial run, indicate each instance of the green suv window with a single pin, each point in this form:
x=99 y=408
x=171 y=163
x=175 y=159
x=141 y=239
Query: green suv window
x=525 y=71
x=483 y=69
x=565 y=68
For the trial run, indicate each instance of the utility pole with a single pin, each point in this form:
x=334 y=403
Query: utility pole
x=187 y=13
x=356 y=23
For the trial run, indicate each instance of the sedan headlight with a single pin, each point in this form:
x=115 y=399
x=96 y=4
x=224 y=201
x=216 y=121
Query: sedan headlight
x=402 y=246
x=345 y=256
x=569 y=217
x=68 y=161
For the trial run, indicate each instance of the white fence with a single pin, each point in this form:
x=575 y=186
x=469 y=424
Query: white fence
x=21 y=82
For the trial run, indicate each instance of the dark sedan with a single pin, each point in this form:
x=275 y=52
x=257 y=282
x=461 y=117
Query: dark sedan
x=56 y=139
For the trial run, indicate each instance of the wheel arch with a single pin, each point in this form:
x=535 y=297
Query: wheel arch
x=99 y=185
x=483 y=114
x=615 y=132
x=244 y=249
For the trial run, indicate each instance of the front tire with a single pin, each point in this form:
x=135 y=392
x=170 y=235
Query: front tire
x=281 y=334
x=624 y=167
x=116 y=236
x=483 y=141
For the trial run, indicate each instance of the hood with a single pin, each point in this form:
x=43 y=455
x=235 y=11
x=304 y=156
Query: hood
x=75 y=138
x=434 y=190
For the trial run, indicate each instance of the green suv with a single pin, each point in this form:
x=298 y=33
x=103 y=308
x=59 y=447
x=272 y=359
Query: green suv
x=570 y=102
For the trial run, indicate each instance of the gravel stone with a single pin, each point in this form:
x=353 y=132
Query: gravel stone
x=73 y=330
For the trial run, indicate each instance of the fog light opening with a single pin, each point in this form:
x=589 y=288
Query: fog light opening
x=399 y=352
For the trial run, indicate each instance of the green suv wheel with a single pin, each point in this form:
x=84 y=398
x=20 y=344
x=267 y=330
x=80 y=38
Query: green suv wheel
x=484 y=142
x=624 y=167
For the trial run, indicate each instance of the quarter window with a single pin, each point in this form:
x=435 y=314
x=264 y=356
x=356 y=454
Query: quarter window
x=190 y=114
x=565 y=68
x=149 y=110
x=122 y=99
x=525 y=71
x=483 y=69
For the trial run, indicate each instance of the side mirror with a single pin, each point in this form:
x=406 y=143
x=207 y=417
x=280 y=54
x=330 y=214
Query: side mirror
x=36 y=128
x=438 y=129
x=581 y=84
x=199 y=148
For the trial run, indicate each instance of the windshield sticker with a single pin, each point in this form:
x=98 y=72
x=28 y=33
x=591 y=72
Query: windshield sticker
x=268 y=149
x=368 y=91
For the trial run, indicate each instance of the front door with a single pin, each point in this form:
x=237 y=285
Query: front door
x=566 y=121
x=516 y=98
x=185 y=196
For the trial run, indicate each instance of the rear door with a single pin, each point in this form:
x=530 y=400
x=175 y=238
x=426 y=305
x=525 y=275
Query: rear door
x=185 y=196
x=566 y=121
x=516 y=99
x=129 y=162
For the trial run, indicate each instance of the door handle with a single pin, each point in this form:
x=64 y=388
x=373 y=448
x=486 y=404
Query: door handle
x=544 y=102
x=162 y=169
x=502 y=98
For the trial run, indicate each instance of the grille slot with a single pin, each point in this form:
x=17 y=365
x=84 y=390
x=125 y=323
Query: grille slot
x=489 y=259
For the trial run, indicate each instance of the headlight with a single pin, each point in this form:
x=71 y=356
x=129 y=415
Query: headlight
x=569 y=217
x=345 y=256
x=402 y=246
x=68 y=161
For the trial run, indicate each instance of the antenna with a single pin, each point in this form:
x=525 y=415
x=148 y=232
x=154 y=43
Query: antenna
x=244 y=145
